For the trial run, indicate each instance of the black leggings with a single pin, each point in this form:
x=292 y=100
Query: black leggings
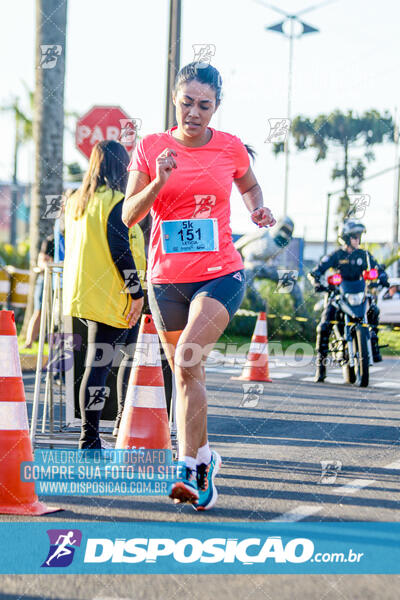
x=104 y=342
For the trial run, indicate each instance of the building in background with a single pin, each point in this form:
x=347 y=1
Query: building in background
x=22 y=210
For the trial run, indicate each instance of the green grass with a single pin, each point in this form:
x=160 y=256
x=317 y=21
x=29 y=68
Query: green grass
x=32 y=351
x=35 y=346
x=391 y=337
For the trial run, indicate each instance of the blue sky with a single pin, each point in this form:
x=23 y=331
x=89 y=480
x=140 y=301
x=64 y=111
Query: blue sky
x=116 y=54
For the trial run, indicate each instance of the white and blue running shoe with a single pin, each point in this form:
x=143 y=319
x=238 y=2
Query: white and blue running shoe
x=205 y=483
x=184 y=489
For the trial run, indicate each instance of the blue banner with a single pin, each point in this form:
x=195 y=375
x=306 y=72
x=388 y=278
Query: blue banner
x=202 y=547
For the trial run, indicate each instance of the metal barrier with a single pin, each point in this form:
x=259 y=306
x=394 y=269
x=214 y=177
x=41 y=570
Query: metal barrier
x=58 y=432
x=51 y=317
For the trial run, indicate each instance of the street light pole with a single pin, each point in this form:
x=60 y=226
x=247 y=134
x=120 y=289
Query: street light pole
x=292 y=20
x=174 y=50
x=289 y=116
x=396 y=198
x=328 y=206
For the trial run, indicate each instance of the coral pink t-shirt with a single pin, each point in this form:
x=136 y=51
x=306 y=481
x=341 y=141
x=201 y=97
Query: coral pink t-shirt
x=199 y=188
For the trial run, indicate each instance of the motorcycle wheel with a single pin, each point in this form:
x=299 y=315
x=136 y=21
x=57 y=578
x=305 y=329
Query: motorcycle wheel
x=362 y=360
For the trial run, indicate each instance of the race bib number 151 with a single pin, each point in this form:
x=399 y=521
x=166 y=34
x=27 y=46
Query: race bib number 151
x=192 y=235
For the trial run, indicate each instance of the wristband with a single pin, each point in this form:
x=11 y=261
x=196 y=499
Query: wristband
x=254 y=210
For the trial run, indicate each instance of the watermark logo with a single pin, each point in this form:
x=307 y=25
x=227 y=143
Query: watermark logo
x=61 y=351
x=278 y=130
x=132 y=282
x=204 y=205
x=358 y=205
x=329 y=471
x=192 y=550
x=97 y=397
x=251 y=394
x=49 y=56
x=286 y=281
x=63 y=543
x=54 y=206
x=129 y=129
x=203 y=53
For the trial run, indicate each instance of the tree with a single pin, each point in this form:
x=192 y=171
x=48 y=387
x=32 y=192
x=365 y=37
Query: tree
x=48 y=125
x=23 y=134
x=355 y=135
x=74 y=172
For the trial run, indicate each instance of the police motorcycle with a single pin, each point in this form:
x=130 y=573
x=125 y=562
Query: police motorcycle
x=350 y=342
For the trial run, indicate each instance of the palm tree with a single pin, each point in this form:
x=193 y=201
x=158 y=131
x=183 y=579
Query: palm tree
x=23 y=134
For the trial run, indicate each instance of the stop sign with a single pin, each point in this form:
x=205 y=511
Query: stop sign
x=104 y=123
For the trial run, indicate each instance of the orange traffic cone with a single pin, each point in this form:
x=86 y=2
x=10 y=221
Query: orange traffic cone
x=16 y=497
x=256 y=367
x=144 y=422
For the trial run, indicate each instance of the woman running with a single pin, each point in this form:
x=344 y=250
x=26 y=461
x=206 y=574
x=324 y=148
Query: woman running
x=196 y=277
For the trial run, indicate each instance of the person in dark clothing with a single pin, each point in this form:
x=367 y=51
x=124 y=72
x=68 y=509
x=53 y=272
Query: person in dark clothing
x=350 y=261
x=46 y=255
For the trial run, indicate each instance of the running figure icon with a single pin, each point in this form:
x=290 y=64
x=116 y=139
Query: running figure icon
x=62 y=549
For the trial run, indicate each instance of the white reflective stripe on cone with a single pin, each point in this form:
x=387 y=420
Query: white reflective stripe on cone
x=148 y=396
x=258 y=348
x=4 y=286
x=9 y=357
x=147 y=351
x=260 y=328
x=13 y=416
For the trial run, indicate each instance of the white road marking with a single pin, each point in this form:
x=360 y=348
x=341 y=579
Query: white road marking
x=327 y=380
x=223 y=370
x=353 y=486
x=387 y=384
x=279 y=374
x=302 y=512
x=358 y=484
x=297 y=514
x=379 y=384
x=238 y=370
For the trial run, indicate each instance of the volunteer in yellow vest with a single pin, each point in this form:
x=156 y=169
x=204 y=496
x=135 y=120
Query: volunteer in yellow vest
x=101 y=284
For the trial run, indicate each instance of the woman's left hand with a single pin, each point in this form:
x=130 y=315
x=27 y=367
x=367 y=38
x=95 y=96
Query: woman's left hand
x=263 y=217
x=136 y=310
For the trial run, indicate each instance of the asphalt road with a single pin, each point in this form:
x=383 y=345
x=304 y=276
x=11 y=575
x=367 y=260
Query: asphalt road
x=292 y=451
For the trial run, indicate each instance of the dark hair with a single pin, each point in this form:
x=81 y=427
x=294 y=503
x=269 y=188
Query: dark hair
x=251 y=151
x=203 y=73
x=107 y=166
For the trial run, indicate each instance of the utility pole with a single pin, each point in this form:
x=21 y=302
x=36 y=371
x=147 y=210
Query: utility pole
x=328 y=206
x=395 y=233
x=174 y=51
x=48 y=127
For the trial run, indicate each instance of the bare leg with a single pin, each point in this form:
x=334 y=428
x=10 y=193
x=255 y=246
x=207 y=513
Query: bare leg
x=33 y=329
x=207 y=321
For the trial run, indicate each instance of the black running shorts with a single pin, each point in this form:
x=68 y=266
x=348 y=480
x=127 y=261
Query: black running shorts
x=170 y=302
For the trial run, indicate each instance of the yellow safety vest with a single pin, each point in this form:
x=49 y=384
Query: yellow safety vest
x=93 y=286
x=136 y=242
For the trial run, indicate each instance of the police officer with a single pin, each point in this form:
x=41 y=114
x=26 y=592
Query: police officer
x=350 y=261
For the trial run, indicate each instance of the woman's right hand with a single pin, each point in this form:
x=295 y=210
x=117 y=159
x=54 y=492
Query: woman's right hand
x=165 y=162
x=133 y=315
